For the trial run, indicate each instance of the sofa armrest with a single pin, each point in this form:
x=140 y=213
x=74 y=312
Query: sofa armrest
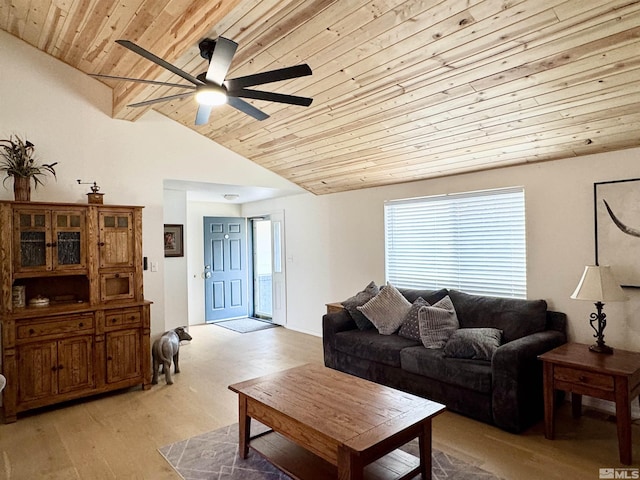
x=517 y=379
x=556 y=321
x=333 y=323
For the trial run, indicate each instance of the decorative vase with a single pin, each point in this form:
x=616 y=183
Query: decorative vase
x=22 y=189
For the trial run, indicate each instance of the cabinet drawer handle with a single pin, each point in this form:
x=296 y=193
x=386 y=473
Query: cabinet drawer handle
x=114 y=320
x=60 y=367
x=31 y=331
x=81 y=324
x=117 y=275
x=54 y=368
x=109 y=358
x=101 y=244
x=132 y=317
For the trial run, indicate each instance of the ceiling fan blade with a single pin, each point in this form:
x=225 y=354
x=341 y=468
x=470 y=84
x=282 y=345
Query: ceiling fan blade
x=161 y=99
x=153 y=82
x=202 y=116
x=271 y=97
x=268 y=77
x=159 y=61
x=221 y=59
x=247 y=108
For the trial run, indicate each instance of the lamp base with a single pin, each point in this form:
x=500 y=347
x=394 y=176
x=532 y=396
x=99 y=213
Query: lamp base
x=601 y=349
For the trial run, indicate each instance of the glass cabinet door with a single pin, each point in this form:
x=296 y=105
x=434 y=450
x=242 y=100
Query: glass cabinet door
x=69 y=235
x=33 y=240
x=49 y=240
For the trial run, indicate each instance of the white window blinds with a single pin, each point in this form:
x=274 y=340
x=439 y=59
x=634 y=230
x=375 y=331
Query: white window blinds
x=473 y=242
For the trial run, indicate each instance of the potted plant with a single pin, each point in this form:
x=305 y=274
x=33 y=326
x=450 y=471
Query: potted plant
x=18 y=161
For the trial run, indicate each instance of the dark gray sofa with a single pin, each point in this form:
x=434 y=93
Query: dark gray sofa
x=506 y=391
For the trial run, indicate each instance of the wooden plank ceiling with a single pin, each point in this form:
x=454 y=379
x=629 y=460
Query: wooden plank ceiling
x=403 y=89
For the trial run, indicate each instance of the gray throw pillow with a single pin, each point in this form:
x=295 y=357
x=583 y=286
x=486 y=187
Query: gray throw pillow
x=386 y=310
x=437 y=323
x=410 y=327
x=474 y=343
x=351 y=305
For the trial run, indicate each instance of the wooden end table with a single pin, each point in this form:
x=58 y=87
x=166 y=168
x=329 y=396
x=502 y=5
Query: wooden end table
x=616 y=377
x=328 y=424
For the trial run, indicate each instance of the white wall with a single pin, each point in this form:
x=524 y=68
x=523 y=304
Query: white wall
x=335 y=243
x=175 y=268
x=66 y=114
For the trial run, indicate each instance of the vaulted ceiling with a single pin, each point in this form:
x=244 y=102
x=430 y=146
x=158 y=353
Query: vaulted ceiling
x=403 y=89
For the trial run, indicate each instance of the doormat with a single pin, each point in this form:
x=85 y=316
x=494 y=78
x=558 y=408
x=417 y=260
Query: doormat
x=215 y=455
x=245 y=325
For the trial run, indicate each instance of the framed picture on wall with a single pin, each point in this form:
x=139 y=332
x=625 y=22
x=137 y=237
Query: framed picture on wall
x=173 y=240
x=617 y=222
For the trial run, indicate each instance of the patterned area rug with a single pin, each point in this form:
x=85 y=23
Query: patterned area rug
x=245 y=325
x=214 y=455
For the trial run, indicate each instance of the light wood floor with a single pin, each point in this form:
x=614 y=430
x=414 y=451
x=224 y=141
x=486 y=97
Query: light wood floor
x=117 y=436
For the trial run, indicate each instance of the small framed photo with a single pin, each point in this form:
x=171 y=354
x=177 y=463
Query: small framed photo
x=173 y=240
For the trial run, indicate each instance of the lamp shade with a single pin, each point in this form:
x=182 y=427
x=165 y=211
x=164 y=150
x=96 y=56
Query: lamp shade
x=599 y=285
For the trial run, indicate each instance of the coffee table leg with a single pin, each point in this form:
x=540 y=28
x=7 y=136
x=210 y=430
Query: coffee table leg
x=424 y=444
x=350 y=466
x=244 y=422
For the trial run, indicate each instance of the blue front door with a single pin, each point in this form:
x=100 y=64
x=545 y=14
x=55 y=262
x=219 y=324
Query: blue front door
x=225 y=252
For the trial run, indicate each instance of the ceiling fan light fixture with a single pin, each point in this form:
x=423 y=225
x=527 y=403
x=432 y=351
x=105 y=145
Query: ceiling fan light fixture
x=211 y=95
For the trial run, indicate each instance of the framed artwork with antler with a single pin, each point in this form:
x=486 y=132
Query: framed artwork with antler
x=617 y=228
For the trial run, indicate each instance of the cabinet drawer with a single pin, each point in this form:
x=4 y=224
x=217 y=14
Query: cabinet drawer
x=72 y=324
x=582 y=377
x=113 y=319
x=119 y=318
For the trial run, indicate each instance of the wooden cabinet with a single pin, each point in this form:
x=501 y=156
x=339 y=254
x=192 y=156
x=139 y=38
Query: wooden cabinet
x=123 y=355
x=94 y=334
x=54 y=368
x=118 y=254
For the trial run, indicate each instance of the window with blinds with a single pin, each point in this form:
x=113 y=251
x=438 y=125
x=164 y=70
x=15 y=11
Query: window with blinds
x=473 y=242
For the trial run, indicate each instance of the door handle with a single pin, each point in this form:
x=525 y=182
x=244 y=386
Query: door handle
x=207 y=272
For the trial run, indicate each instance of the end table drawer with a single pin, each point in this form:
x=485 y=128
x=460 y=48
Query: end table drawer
x=582 y=377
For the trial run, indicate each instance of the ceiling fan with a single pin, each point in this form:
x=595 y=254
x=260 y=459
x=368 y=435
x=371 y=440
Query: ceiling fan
x=211 y=88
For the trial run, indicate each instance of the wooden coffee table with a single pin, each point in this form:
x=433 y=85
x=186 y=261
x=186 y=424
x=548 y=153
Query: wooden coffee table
x=328 y=424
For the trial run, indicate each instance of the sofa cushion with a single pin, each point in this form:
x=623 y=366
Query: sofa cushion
x=386 y=310
x=372 y=346
x=351 y=305
x=431 y=296
x=475 y=343
x=515 y=317
x=431 y=363
x=410 y=327
x=437 y=323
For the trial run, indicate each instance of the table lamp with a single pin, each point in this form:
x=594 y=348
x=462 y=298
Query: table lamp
x=599 y=285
